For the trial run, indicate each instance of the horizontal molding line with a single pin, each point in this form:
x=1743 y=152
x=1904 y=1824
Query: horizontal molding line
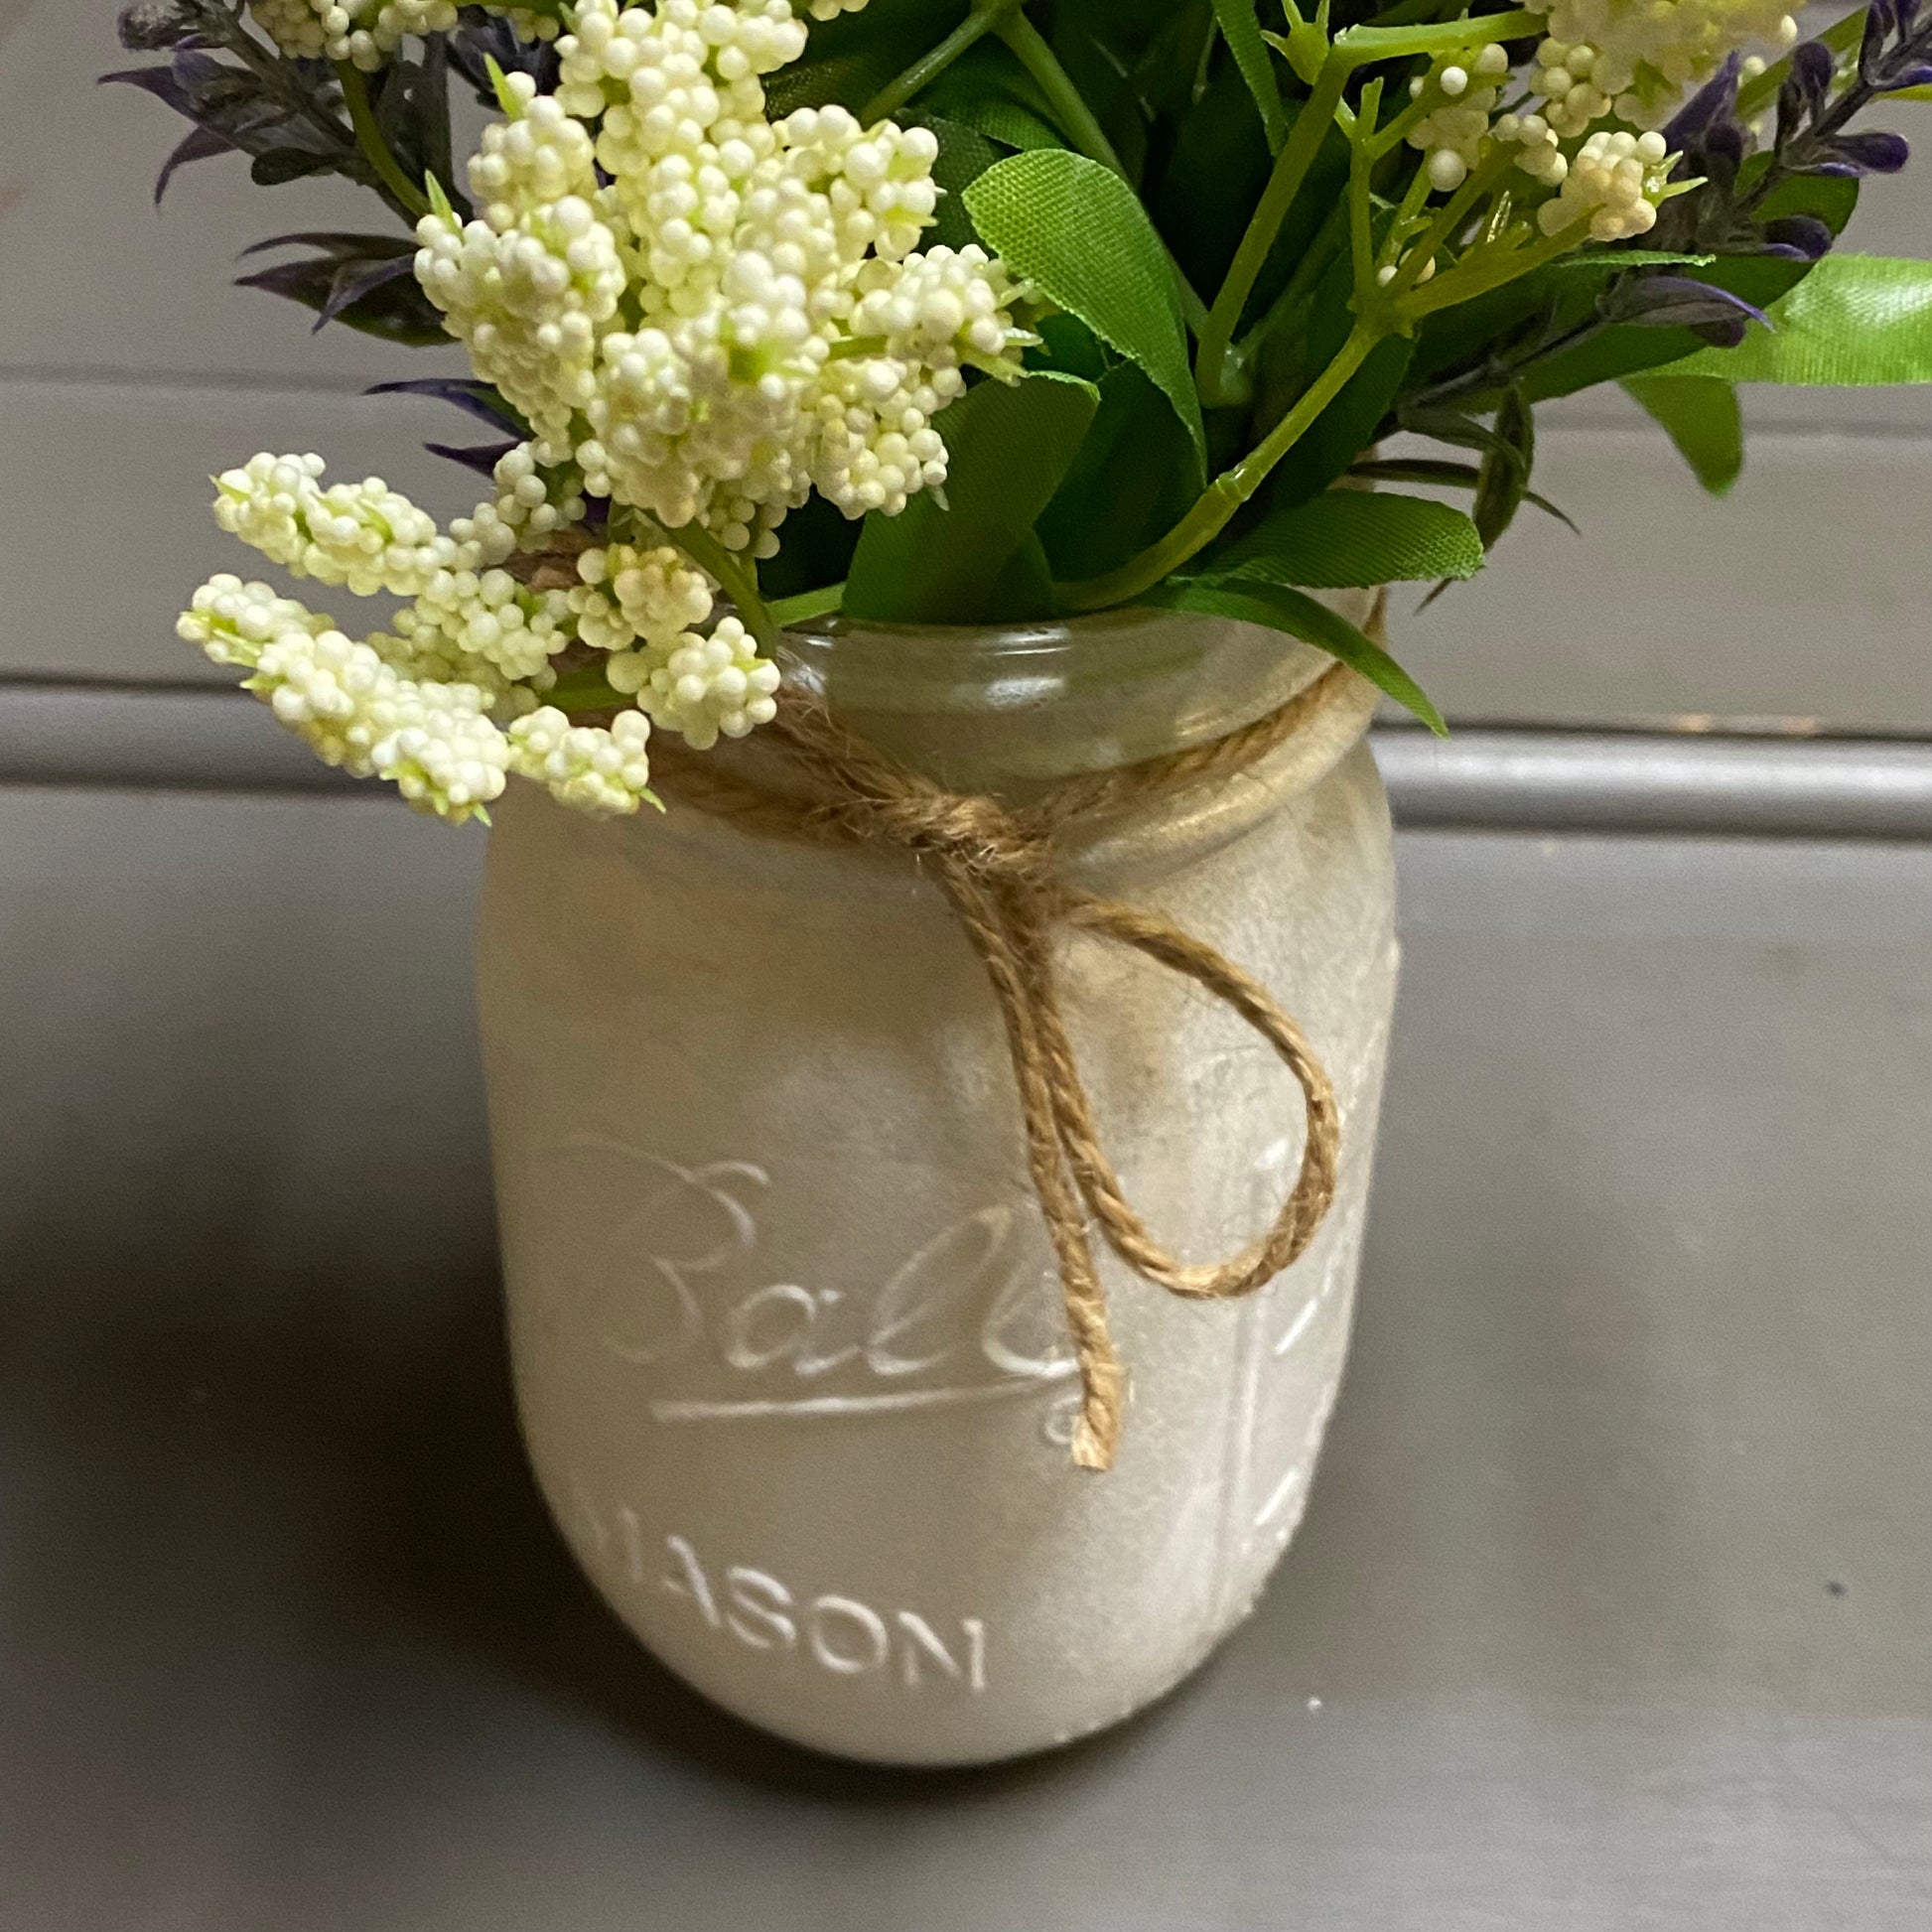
x=187 y=739
x=1629 y=782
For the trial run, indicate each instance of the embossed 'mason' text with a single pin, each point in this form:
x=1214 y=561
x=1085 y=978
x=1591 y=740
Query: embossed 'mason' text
x=839 y=1634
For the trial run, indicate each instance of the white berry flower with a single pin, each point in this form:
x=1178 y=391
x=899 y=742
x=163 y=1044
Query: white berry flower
x=1542 y=157
x=703 y=314
x=232 y=620
x=701 y=688
x=1453 y=134
x=464 y=616
x=1615 y=180
x=722 y=311
x=629 y=597
x=366 y=31
x=527 y=298
x=364 y=535
x=432 y=742
x=1633 y=59
x=603 y=773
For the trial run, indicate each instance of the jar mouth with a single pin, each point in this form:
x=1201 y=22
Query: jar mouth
x=936 y=667
x=987 y=704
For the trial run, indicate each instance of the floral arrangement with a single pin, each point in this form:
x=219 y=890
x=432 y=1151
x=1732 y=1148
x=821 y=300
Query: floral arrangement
x=966 y=311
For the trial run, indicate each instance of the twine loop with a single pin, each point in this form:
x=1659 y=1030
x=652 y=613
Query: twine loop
x=997 y=865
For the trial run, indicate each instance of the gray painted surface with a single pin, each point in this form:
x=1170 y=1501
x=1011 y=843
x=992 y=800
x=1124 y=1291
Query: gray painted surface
x=1614 y=1593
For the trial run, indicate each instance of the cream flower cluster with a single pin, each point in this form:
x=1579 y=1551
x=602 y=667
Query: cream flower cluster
x=431 y=739
x=705 y=315
x=702 y=687
x=1452 y=134
x=464 y=616
x=367 y=32
x=1614 y=180
x=1633 y=59
x=627 y=597
x=232 y=620
x=424 y=706
x=432 y=736
x=1626 y=61
x=365 y=537
x=602 y=772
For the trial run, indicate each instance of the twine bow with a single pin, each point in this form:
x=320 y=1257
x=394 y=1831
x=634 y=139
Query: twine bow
x=996 y=864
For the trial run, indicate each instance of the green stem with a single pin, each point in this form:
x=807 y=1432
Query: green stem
x=1024 y=40
x=1361 y=242
x=984 y=18
x=1030 y=47
x=375 y=150
x=738 y=577
x=1211 y=372
x=821 y=602
x=598 y=696
x=1228 y=491
x=1451 y=217
x=1320 y=251
x=1409 y=211
x=1488 y=270
x=1384 y=139
x=1361 y=45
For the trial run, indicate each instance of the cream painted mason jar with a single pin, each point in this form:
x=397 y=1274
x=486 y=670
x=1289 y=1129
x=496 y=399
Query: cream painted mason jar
x=784 y=1316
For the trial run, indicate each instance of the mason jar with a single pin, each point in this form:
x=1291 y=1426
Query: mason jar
x=785 y=1320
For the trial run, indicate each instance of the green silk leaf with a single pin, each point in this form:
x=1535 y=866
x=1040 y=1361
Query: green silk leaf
x=1134 y=478
x=1079 y=235
x=1700 y=414
x=1241 y=28
x=964 y=155
x=1355 y=539
x=987 y=89
x=1616 y=259
x=1853 y=319
x=1281 y=608
x=1347 y=426
x=974 y=558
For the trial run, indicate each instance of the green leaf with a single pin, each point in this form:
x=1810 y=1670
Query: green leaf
x=1614 y=260
x=987 y=89
x=1628 y=349
x=1134 y=478
x=970 y=559
x=1295 y=356
x=965 y=154
x=1853 y=319
x=1448 y=475
x=851 y=58
x=1700 y=416
x=1506 y=467
x=1241 y=28
x=1355 y=539
x=1212 y=176
x=1078 y=234
x=1292 y=611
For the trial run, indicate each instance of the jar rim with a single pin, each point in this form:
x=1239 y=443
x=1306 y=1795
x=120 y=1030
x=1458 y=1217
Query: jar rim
x=1042 y=699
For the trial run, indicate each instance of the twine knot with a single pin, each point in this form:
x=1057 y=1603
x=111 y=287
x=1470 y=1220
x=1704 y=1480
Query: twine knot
x=997 y=865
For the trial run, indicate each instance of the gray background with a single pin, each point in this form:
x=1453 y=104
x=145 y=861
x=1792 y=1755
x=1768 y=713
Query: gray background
x=1612 y=1606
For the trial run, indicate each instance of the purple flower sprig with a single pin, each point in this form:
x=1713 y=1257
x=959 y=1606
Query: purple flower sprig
x=1814 y=134
x=1813 y=137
